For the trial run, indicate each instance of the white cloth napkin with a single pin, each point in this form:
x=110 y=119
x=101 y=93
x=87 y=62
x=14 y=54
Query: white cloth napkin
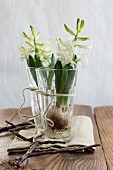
x=81 y=135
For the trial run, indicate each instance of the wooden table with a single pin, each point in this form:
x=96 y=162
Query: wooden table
x=102 y=159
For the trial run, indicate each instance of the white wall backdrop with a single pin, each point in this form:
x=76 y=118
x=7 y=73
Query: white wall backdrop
x=95 y=81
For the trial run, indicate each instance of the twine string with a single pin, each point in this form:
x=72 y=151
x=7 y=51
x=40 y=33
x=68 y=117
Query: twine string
x=46 y=120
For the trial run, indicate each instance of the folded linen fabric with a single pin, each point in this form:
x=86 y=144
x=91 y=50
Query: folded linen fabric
x=81 y=135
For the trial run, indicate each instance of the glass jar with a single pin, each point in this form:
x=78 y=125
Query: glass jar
x=58 y=89
x=35 y=98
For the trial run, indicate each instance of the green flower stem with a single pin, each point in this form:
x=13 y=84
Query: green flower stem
x=62 y=100
x=51 y=73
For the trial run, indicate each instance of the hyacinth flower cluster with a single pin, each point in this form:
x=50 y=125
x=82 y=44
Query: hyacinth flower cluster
x=66 y=57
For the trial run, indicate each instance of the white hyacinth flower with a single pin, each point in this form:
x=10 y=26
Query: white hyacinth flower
x=25 y=52
x=32 y=48
x=83 y=47
x=65 y=51
x=44 y=49
x=82 y=50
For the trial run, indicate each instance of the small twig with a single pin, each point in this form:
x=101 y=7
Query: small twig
x=25 y=156
x=7 y=128
x=21 y=128
x=69 y=149
x=10 y=123
x=22 y=137
x=31 y=152
x=49 y=142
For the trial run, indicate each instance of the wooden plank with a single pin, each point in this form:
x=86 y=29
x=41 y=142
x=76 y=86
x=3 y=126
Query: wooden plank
x=7 y=114
x=104 y=119
x=5 y=139
x=66 y=161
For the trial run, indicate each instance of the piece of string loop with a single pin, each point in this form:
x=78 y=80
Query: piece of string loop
x=46 y=120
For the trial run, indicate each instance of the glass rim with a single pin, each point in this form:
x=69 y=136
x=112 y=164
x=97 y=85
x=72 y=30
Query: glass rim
x=27 y=67
x=52 y=69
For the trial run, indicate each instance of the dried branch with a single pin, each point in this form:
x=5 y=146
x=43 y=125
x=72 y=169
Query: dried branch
x=10 y=123
x=22 y=137
x=31 y=152
x=49 y=142
x=21 y=128
x=17 y=126
x=25 y=156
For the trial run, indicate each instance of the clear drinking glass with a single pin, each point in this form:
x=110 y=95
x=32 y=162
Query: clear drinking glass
x=35 y=98
x=57 y=105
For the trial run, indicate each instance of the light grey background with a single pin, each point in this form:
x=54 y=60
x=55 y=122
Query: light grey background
x=95 y=82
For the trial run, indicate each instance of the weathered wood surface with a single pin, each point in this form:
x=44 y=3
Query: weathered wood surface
x=62 y=161
x=104 y=119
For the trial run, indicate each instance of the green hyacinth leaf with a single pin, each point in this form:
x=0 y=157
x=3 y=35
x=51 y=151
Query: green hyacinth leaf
x=68 y=29
x=50 y=78
x=82 y=25
x=31 y=62
x=77 y=24
x=83 y=38
x=38 y=62
x=58 y=75
x=53 y=61
x=64 y=77
x=51 y=73
x=68 y=75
